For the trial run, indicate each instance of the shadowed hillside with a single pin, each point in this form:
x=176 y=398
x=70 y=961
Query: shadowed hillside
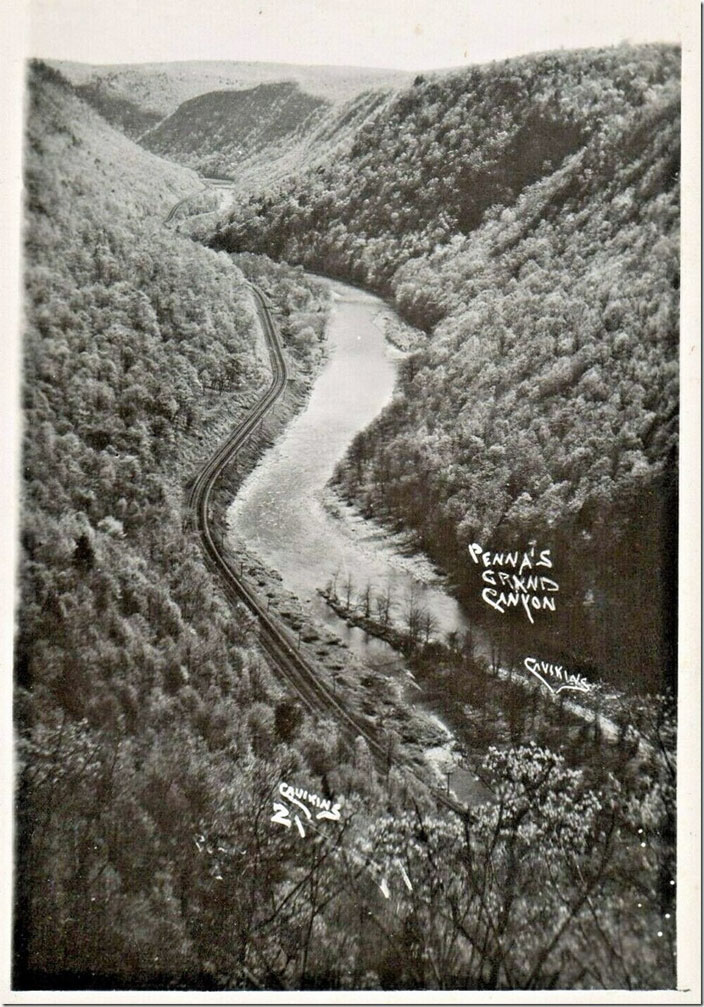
x=258 y=139
x=255 y=124
x=218 y=130
x=125 y=115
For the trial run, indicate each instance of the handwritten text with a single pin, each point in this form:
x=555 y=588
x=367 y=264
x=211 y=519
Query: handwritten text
x=543 y=670
x=514 y=579
x=303 y=801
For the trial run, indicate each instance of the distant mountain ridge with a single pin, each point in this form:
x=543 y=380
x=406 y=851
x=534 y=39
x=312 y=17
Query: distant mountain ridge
x=260 y=136
x=160 y=88
x=215 y=117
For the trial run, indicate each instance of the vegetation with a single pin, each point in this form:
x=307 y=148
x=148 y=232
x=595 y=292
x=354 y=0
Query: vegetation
x=122 y=113
x=526 y=214
x=214 y=131
x=255 y=123
x=131 y=673
x=152 y=736
x=259 y=136
x=162 y=87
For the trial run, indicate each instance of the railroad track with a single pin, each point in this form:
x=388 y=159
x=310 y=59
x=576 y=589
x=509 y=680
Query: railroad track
x=207 y=183
x=170 y=215
x=275 y=640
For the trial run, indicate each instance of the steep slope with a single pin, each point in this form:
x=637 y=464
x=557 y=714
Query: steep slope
x=261 y=138
x=440 y=154
x=125 y=115
x=254 y=124
x=546 y=405
x=132 y=673
x=115 y=603
x=216 y=131
x=531 y=208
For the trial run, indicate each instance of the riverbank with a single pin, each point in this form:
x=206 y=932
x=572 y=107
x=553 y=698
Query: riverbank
x=384 y=699
x=495 y=703
x=370 y=688
x=369 y=535
x=606 y=705
x=375 y=698
x=296 y=538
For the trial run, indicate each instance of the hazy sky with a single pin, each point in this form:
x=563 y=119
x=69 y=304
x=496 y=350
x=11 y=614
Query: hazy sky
x=407 y=34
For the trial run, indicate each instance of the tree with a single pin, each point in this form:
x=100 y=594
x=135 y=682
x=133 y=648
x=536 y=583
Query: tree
x=428 y=625
x=347 y=589
x=365 y=600
x=383 y=605
x=413 y=615
x=288 y=717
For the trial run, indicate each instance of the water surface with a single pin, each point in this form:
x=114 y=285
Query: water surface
x=279 y=511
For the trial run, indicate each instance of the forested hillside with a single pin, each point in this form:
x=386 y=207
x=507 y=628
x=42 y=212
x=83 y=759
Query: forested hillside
x=123 y=113
x=145 y=711
x=253 y=123
x=154 y=741
x=526 y=215
x=259 y=136
x=216 y=131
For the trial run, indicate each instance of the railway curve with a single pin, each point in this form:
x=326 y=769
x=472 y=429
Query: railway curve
x=274 y=638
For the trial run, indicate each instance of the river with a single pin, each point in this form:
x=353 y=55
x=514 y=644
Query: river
x=280 y=511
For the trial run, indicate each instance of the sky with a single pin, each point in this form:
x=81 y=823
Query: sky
x=400 y=34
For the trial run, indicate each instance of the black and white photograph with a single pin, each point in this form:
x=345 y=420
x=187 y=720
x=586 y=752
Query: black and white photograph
x=350 y=618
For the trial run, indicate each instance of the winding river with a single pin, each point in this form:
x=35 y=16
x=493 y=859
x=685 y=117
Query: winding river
x=283 y=513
